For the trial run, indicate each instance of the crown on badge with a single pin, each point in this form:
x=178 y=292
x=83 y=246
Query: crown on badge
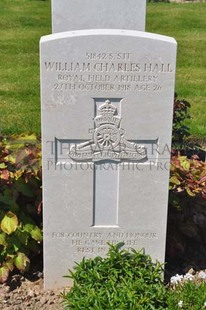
x=107 y=108
x=107 y=111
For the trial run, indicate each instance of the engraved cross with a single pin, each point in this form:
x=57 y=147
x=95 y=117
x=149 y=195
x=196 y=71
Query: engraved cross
x=107 y=149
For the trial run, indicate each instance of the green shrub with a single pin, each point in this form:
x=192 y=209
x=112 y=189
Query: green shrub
x=122 y=280
x=20 y=201
x=189 y=296
x=180 y=114
x=129 y=280
x=181 y=140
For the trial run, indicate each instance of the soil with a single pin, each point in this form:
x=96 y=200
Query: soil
x=23 y=293
x=26 y=292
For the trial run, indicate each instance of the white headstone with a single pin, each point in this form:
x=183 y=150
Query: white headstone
x=98 y=14
x=107 y=105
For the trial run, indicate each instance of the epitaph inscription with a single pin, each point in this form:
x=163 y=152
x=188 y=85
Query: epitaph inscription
x=97 y=242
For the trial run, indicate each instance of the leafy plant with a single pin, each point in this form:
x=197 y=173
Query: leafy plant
x=186 y=239
x=122 y=280
x=182 y=143
x=179 y=130
x=20 y=201
x=188 y=175
x=189 y=296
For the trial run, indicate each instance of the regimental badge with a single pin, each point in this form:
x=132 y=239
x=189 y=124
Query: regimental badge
x=108 y=141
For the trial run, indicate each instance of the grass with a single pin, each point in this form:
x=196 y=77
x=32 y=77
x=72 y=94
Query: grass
x=23 y=22
x=187 y=24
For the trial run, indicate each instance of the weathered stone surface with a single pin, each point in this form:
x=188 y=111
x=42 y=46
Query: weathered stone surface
x=98 y=14
x=107 y=105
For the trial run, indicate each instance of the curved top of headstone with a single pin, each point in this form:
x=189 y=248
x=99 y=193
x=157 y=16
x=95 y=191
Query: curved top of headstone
x=68 y=15
x=107 y=32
